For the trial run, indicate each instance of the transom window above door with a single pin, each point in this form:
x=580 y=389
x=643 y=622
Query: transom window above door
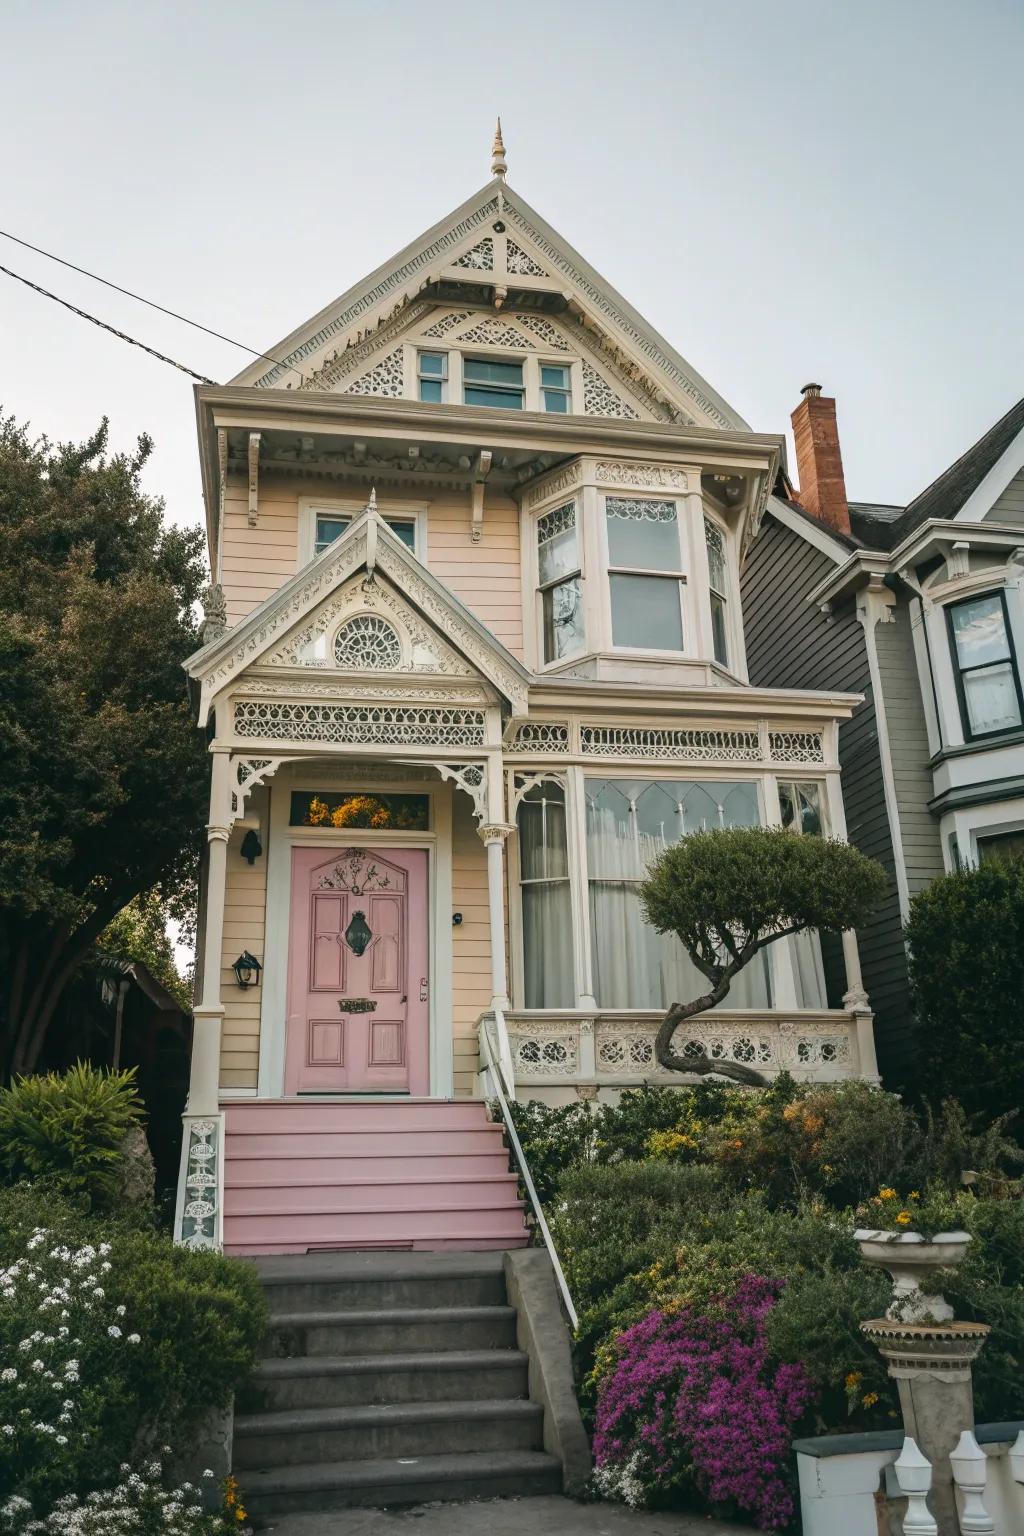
x=645 y=573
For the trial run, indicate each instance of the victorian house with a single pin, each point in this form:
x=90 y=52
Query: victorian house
x=475 y=653
x=918 y=609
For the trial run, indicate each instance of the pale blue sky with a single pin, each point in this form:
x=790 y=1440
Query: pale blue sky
x=787 y=190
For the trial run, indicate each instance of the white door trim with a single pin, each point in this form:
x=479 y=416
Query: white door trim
x=283 y=838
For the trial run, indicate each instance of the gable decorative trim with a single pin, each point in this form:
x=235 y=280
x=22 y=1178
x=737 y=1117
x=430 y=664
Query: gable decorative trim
x=521 y=264
x=390 y=725
x=385 y=378
x=395 y=279
x=479 y=257
x=599 y=399
x=440 y=328
x=496 y=333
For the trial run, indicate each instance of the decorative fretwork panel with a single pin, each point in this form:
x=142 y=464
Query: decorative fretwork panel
x=541 y=736
x=521 y=264
x=386 y=377
x=369 y=643
x=599 y=399
x=557 y=521
x=544 y=331
x=640 y=509
x=496 y=333
x=796 y=746
x=687 y=746
x=479 y=258
x=625 y=1050
x=440 y=328
x=199 y=1222
x=809 y=1048
x=355 y=724
x=547 y=1051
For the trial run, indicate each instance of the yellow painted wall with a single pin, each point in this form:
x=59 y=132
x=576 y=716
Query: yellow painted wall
x=245 y=904
x=471 y=943
x=485 y=576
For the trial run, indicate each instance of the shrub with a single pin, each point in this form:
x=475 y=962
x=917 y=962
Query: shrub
x=966 y=936
x=112 y=1340
x=554 y=1138
x=71 y=1128
x=141 y=1504
x=988 y=1287
x=694 y=1403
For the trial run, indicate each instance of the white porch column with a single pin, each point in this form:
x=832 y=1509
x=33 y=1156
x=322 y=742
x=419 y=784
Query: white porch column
x=494 y=835
x=204 y=1080
x=780 y=954
x=855 y=998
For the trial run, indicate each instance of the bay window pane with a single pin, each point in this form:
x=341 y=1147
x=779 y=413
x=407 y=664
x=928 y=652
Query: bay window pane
x=991 y=699
x=646 y=612
x=557 y=550
x=629 y=822
x=563 y=619
x=718 y=631
x=544 y=888
x=979 y=631
x=642 y=534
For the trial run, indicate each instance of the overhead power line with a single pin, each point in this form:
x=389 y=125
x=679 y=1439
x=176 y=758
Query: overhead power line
x=121 y=335
x=138 y=297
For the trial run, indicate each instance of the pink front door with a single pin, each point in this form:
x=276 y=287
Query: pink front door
x=357 y=972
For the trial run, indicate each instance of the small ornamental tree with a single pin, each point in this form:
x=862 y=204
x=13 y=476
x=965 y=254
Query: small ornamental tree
x=728 y=893
x=966 y=937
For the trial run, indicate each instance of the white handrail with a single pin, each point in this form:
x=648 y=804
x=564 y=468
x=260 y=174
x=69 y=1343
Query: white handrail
x=505 y=1062
x=524 y=1171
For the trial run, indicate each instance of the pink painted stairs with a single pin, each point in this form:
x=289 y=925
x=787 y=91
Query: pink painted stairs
x=315 y=1175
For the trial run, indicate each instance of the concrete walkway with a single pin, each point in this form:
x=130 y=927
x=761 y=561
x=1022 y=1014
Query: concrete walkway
x=500 y=1517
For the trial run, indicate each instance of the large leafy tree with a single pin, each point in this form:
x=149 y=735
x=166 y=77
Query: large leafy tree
x=728 y=893
x=103 y=784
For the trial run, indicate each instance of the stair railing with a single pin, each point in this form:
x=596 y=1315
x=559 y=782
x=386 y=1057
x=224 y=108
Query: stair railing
x=494 y=1076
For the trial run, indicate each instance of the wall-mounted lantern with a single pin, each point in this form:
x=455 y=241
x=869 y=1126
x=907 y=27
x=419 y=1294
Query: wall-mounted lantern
x=247 y=970
x=251 y=846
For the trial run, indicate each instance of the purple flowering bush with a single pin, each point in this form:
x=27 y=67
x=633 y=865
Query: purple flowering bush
x=692 y=1402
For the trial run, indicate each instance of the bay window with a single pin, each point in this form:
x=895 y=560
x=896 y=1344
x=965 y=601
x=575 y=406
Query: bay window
x=546 y=902
x=559 y=582
x=629 y=822
x=645 y=574
x=987 y=681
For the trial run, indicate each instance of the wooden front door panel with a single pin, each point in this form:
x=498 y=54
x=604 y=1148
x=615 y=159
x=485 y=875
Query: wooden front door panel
x=358 y=1022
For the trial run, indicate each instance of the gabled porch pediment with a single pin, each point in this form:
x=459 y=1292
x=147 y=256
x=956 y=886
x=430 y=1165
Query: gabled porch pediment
x=364 y=618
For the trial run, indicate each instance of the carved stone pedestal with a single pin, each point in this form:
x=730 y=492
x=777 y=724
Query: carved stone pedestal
x=931 y=1366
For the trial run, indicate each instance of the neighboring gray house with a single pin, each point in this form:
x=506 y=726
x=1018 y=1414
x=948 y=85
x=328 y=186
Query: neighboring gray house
x=920 y=609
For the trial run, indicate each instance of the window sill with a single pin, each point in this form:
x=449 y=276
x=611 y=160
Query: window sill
x=1012 y=738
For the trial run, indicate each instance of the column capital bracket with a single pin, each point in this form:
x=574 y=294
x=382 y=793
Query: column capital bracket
x=495 y=831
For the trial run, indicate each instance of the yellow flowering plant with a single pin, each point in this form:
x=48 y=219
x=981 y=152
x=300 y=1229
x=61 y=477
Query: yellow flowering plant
x=935 y=1210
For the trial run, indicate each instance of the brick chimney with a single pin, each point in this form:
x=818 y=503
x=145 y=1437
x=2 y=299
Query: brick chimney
x=819 y=462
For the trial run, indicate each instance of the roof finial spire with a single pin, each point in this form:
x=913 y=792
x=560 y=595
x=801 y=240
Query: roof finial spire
x=371 y=505
x=499 y=166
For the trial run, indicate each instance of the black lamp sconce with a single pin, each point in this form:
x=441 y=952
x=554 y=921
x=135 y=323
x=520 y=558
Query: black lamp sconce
x=456 y=919
x=251 y=846
x=247 y=970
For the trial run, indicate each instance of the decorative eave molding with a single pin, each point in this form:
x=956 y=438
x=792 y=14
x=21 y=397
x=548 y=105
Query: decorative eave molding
x=396 y=283
x=221 y=662
x=937 y=536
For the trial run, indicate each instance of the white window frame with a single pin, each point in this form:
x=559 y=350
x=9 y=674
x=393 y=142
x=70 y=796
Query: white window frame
x=727 y=595
x=352 y=507
x=539 y=588
x=516 y=360
x=564 y=363
x=444 y=378
x=686 y=621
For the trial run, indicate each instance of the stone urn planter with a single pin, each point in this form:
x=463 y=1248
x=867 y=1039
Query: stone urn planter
x=912 y=1259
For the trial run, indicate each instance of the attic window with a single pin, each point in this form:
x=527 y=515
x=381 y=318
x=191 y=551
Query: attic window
x=331 y=525
x=493 y=383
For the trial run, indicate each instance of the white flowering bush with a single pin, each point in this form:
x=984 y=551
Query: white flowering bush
x=112 y=1342
x=138 y=1505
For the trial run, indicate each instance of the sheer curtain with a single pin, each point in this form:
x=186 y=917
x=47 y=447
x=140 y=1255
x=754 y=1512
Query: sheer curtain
x=629 y=822
x=547 y=911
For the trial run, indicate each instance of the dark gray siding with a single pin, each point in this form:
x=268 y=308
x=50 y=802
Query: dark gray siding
x=791 y=644
x=908 y=749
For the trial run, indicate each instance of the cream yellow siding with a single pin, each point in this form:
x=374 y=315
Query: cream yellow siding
x=245 y=903
x=255 y=562
x=471 y=943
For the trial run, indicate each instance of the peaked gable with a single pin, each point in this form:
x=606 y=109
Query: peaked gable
x=498 y=234
x=365 y=605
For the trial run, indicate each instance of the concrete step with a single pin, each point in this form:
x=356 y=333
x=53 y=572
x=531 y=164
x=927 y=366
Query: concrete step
x=406 y=1480
x=337 y=1381
x=398 y=1330
x=305 y=1436
x=323 y=1195
x=349 y=1281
